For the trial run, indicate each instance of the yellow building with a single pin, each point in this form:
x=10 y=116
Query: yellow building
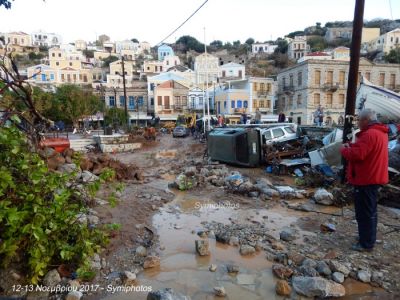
x=170 y=100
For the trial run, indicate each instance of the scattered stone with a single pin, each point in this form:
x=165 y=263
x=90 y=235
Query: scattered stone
x=323 y=197
x=281 y=271
x=202 y=234
x=376 y=276
x=287 y=235
x=166 y=294
x=338 y=267
x=269 y=192
x=338 y=277
x=151 y=262
x=277 y=245
x=202 y=247
x=74 y=295
x=222 y=237
x=331 y=255
x=254 y=194
x=96 y=262
x=55 y=162
x=128 y=278
x=47 y=152
x=297 y=258
x=52 y=278
x=219 y=291
x=93 y=220
x=323 y=268
x=328 y=227
x=317 y=287
x=364 y=276
x=234 y=241
x=232 y=268
x=282 y=288
x=213 y=268
x=74 y=284
x=286 y=191
x=247 y=250
x=141 y=251
x=89 y=177
x=308 y=271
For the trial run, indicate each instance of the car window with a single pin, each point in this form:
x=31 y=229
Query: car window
x=289 y=129
x=278 y=132
x=268 y=135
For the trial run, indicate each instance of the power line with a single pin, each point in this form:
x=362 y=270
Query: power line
x=391 y=11
x=183 y=22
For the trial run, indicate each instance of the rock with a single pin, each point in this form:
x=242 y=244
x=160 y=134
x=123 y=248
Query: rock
x=47 y=152
x=74 y=295
x=141 y=251
x=234 y=180
x=277 y=245
x=287 y=235
x=190 y=171
x=213 y=268
x=232 y=268
x=247 y=250
x=338 y=267
x=74 y=284
x=222 y=237
x=377 y=276
x=96 y=262
x=86 y=164
x=317 y=287
x=166 y=294
x=68 y=168
x=128 y=278
x=286 y=191
x=234 y=241
x=364 y=276
x=281 y=271
x=297 y=258
x=151 y=262
x=69 y=152
x=308 y=271
x=93 y=220
x=204 y=172
x=323 y=268
x=219 y=291
x=246 y=187
x=88 y=177
x=55 y=162
x=323 y=197
x=308 y=262
x=269 y=192
x=52 y=278
x=254 y=194
x=331 y=255
x=282 y=288
x=338 y=277
x=202 y=247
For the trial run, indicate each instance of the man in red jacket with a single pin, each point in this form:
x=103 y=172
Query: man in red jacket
x=367 y=170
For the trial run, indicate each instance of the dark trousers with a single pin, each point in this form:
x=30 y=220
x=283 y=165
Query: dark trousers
x=365 y=204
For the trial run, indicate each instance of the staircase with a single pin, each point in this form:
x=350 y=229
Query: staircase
x=80 y=144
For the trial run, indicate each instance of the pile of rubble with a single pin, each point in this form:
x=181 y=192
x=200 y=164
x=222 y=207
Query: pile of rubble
x=90 y=166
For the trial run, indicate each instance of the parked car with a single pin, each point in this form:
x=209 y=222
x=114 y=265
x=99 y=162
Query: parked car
x=180 y=131
x=278 y=134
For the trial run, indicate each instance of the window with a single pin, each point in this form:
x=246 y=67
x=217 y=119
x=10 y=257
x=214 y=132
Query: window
x=84 y=78
x=121 y=101
x=291 y=80
x=57 y=63
x=51 y=76
x=245 y=104
x=317 y=99
x=140 y=100
x=392 y=81
x=70 y=64
x=299 y=101
x=59 y=54
x=268 y=135
x=225 y=104
x=368 y=75
x=382 y=79
x=284 y=81
x=277 y=132
x=69 y=77
x=317 y=77
x=159 y=100
x=53 y=54
x=201 y=101
x=268 y=87
x=151 y=101
x=239 y=104
x=341 y=100
x=62 y=77
x=166 y=102
x=299 y=79
x=329 y=100
x=262 y=86
x=74 y=77
x=289 y=129
x=329 y=77
x=192 y=100
x=184 y=100
x=111 y=100
x=177 y=100
x=131 y=102
x=261 y=103
x=255 y=86
x=233 y=104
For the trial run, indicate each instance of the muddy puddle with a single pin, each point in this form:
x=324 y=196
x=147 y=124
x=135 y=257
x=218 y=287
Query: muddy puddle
x=184 y=271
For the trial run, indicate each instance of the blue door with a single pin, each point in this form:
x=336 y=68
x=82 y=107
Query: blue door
x=219 y=107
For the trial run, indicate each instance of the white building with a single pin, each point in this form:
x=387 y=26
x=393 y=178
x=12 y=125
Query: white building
x=196 y=99
x=40 y=38
x=127 y=45
x=231 y=71
x=206 y=66
x=258 y=48
x=384 y=43
x=298 y=47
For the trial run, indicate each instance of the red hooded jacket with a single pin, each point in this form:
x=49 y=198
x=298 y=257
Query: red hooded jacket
x=368 y=157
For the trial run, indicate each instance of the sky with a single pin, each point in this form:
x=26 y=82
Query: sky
x=153 y=20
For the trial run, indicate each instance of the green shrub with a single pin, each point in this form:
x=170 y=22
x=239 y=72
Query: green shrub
x=38 y=212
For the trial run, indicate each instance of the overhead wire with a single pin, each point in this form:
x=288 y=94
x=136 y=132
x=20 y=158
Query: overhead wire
x=183 y=22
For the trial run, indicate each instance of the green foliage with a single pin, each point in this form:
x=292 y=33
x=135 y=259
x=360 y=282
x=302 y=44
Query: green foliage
x=38 y=213
x=393 y=56
x=88 y=53
x=135 y=40
x=317 y=43
x=108 y=60
x=188 y=42
x=5 y=3
x=115 y=117
x=250 y=41
x=282 y=46
x=294 y=33
x=34 y=56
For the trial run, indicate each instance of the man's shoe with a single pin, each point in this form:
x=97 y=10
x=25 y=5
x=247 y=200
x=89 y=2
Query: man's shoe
x=359 y=248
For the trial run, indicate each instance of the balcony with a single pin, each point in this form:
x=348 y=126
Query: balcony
x=330 y=87
x=288 y=89
x=240 y=110
x=263 y=94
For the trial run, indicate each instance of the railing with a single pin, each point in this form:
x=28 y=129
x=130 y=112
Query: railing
x=330 y=86
x=288 y=89
x=263 y=94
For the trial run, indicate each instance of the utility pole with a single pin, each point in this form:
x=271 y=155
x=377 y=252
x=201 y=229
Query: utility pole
x=358 y=23
x=125 y=100
x=206 y=94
